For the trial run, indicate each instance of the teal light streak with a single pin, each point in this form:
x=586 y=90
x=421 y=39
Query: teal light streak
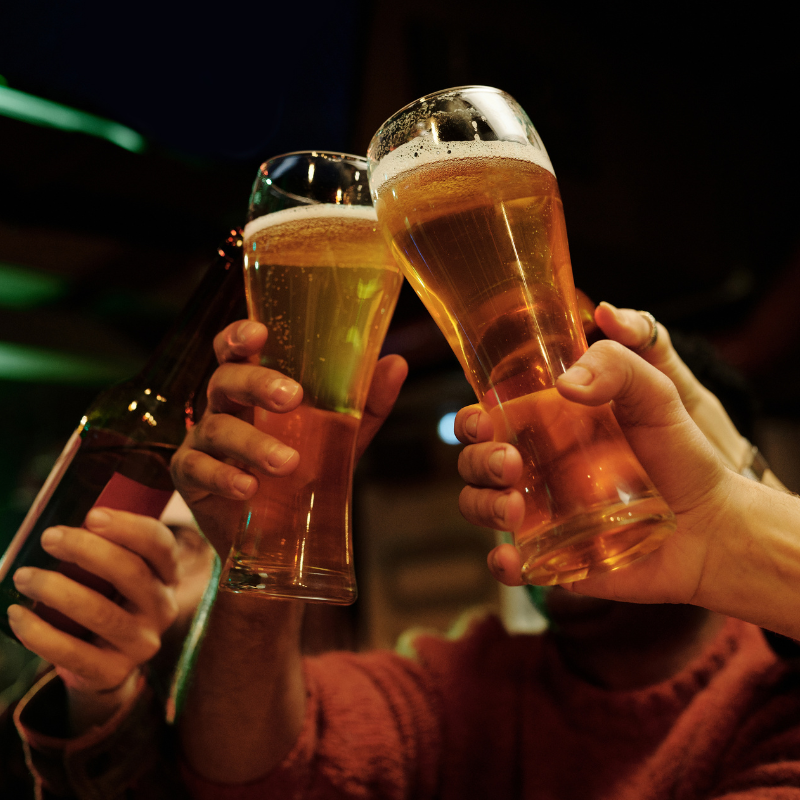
x=37 y=111
x=22 y=363
x=24 y=288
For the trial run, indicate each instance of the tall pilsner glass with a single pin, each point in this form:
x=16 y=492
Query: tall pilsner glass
x=466 y=195
x=319 y=275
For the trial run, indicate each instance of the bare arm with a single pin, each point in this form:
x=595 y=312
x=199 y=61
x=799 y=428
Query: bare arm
x=246 y=704
x=245 y=708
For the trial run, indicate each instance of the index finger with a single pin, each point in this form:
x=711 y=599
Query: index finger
x=145 y=536
x=632 y=329
x=240 y=341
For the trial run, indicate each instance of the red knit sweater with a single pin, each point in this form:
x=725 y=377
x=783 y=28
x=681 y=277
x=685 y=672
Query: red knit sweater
x=497 y=716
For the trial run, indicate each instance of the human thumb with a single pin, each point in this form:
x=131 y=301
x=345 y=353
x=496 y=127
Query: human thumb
x=670 y=447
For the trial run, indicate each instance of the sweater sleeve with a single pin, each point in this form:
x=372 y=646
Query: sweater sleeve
x=128 y=756
x=371 y=730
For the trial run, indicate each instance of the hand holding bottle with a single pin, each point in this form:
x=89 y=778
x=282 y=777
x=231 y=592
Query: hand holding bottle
x=138 y=556
x=118 y=457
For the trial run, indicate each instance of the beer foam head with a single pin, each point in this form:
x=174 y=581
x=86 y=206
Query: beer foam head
x=422 y=151
x=309 y=214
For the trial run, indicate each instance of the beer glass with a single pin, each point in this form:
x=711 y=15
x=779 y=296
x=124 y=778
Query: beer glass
x=319 y=275
x=466 y=195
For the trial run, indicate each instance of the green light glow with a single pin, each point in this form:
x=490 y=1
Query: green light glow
x=25 y=288
x=36 y=110
x=21 y=363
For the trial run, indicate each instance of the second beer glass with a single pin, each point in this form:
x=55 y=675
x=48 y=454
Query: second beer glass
x=466 y=194
x=319 y=275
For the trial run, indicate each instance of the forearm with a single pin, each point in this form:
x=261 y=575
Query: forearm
x=753 y=563
x=245 y=707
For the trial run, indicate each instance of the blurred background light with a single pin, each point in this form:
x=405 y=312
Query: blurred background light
x=21 y=287
x=23 y=363
x=36 y=110
x=445 y=429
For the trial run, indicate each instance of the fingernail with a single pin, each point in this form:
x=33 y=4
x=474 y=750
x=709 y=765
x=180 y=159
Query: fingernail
x=246 y=330
x=496 y=461
x=577 y=375
x=471 y=425
x=282 y=391
x=52 y=536
x=500 y=507
x=279 y=455
x=22 y=577
x=14 y=614
x=615 y=313
x=98 y=518
x=242 y=483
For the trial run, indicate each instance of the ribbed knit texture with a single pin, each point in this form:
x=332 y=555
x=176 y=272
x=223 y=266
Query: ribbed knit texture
x=497 y=716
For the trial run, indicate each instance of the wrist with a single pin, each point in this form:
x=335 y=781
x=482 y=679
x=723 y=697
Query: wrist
x=752 y=568
x=89 y=708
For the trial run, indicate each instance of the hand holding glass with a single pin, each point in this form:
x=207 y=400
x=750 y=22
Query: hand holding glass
x=465 y=192
x=320 y=277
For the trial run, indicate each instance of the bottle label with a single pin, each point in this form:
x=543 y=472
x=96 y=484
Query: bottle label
x=120 y=493
x=123 y=494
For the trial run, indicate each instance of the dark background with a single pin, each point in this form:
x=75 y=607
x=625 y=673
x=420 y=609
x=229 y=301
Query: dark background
x=672 y=133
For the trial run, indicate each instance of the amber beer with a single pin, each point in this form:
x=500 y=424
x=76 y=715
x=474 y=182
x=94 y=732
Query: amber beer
x=323 y=281
x=478 y=227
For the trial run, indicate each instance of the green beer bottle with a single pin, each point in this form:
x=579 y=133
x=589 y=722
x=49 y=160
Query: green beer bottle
x=118 y=457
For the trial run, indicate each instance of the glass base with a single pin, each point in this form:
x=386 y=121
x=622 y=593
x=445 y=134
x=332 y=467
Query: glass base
x=313 y=585
x=596 y=542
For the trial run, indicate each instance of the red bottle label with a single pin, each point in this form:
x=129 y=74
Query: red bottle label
x=120 y=494
x=124 y=494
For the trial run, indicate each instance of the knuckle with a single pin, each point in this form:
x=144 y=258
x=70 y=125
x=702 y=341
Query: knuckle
x=41 y=583
x=188 y=468
x=218 y=435
x=213 y=427
x=164 y=544
x=105 y=617
x=74 y=540
x=466 y=503
x=612 y=347
x=466 y=463
x=177 y=464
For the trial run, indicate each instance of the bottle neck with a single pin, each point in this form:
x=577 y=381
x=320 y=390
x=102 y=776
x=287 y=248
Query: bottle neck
x=186 y=354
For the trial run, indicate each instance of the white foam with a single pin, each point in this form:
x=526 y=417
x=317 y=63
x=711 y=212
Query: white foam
x=419 y=152
x=308 y=213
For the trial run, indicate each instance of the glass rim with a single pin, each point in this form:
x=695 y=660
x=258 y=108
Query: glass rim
x=433 y=95
x=330 y=162
x=315 y=154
